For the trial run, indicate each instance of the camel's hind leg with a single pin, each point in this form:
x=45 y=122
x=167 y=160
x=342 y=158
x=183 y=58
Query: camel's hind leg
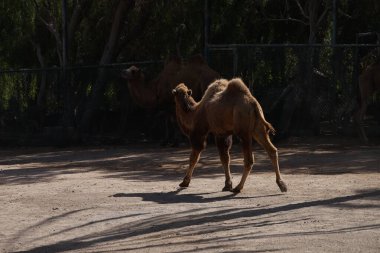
x=248 y=162
x=263 y=139
x=224 y=144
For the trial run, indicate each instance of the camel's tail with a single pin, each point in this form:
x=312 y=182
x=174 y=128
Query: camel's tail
x=260 y=114
x=270 y=128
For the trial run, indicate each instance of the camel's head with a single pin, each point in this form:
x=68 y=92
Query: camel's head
x=132 y=73
x=181 y=91
x=182 y=97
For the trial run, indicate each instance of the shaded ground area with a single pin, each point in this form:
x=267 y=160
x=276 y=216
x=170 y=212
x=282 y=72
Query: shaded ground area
x=126 y=199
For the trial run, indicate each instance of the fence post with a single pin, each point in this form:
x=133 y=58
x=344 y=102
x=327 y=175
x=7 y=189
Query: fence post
x=67 y=114
x=333 y=37
x=235 y=57
x=206 y=29
x=64 y=33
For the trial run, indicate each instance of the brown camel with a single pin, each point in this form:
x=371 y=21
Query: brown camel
x=369 y=84
x=226 y=108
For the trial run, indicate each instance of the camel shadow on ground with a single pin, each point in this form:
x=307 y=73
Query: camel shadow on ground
x=163 y=223
x=174 y=197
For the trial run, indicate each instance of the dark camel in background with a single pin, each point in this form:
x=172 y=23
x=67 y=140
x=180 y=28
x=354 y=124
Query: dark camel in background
x=156 y=94
x=369 y=84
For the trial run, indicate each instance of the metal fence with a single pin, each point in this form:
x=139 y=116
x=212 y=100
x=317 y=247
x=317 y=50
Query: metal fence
x=32 y=100
x=269 y=69
x=32 y=103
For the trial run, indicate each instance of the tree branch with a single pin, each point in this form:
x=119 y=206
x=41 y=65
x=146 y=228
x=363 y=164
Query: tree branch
x=123 y=7
x=301 y=9
x=50 y=26
x=323 y=15
x=344 y=14
x=289 y=19
x=76 y=18
x=146 y=8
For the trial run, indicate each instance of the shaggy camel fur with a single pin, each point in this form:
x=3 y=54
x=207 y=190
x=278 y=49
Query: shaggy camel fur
x=369 y=84
x=226 y=108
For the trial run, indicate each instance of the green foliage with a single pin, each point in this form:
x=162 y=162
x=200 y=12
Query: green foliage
x=6 y=88
x=16 y=19
x=160 y=22
x=154 y=29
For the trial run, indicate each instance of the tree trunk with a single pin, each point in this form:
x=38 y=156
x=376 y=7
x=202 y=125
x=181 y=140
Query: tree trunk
x=303 y=95
x=41 y=97
x=313 y=112
x=42 y=90
x=75 y=20
x=68 y=82
x=108 y=54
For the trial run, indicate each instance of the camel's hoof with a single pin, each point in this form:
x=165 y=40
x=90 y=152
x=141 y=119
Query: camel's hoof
x=184 y=184
x=281 y=184
x=227 y=188
x=236 y=190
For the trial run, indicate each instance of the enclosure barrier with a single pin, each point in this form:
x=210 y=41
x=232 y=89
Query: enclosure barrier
x=32 y=100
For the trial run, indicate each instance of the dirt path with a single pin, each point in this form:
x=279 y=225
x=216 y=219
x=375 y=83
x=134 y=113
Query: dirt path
x=127 y=199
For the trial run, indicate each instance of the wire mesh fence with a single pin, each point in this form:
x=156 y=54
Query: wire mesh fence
x=33 y=101
x=271 y=71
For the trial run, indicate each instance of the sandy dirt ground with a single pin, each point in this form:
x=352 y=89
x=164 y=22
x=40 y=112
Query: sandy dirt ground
x=127 y=199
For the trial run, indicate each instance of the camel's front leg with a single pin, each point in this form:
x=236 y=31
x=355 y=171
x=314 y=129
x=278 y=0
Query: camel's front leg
x=194 y=158
x=198 y=143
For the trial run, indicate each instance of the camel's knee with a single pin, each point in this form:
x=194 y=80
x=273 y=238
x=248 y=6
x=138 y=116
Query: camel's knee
x=224 y=143
x=273 y=153
x=248 y=159
x=248 y=162
x=198 y=144
x=224 y=154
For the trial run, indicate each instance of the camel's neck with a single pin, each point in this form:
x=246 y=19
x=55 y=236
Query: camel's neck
x=144 y=96
x=186 y=112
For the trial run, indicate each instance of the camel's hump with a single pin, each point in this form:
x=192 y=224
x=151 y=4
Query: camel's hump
x=237 y=84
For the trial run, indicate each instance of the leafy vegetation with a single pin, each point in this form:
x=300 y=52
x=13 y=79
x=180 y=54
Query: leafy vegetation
x=118 y=31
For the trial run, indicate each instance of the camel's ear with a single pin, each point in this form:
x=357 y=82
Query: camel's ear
x=174 y=91
x=189 y=92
